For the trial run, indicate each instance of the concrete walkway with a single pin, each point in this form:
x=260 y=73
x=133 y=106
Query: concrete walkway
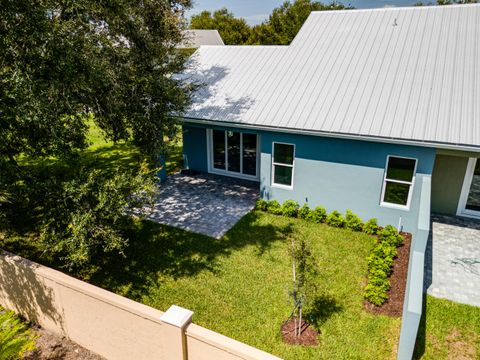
x=452 y=260
x=204 y=204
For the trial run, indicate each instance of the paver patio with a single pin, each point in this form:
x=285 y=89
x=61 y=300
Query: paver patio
x=204 y=204
x=452 y=261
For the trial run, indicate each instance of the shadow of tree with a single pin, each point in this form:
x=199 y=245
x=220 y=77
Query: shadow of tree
x=23 y=291
x=157 y=250
x=323 y=307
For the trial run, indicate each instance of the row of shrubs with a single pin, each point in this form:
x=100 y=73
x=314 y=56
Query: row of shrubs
x=380 y=261
x=318 y=214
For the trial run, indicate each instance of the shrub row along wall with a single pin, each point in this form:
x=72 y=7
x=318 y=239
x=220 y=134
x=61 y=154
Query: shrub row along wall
x=106 y=323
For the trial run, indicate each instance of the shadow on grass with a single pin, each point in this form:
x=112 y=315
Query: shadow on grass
x=322 y=309
x=420 y=343
x=158 y=250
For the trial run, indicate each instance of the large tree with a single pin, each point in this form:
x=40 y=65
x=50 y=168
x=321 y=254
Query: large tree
x=63 y=62
x=234 y=31
x=286 y=20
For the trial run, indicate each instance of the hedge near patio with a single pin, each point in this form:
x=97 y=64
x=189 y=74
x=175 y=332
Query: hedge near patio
x=381 y=259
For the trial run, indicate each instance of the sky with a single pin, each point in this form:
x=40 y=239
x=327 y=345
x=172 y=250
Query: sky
x=256 y=11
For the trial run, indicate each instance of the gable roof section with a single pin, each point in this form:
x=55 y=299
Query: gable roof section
x=408 y=74
x=196 y=38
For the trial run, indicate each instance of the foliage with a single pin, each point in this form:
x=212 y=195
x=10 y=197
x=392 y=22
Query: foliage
x=86 y=213
x=380 y=262
x=352 y=221
x=371 y=227
x=317 y=215
x=234 y=31
x=286 y=20
x=305 y=273
x=304 y=211
x=274 y=207
x=63 y=65
x=335 y=219
x=261 y=205
x=15 y=337
x=290 y=208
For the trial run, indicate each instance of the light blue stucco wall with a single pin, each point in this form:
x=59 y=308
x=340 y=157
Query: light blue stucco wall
x=338 y=174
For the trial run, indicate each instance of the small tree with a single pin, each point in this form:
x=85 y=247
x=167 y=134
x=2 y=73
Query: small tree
x=304 y=272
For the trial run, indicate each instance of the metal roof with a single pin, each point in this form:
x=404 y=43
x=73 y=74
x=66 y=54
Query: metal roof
x=407 y=74
x=196 y=38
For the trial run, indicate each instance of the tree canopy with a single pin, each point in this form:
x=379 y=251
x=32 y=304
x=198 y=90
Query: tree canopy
x=63 y=63
x=234 y=31
x=280 y=29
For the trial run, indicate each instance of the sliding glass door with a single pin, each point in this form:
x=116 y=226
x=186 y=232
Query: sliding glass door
x=470 y=198
x=233 y=153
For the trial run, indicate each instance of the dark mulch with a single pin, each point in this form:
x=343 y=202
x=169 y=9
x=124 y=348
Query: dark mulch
x=398 y=281
x=308 y=335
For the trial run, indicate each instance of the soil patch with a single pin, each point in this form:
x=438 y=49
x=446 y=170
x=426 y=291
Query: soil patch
x=398 y=281
x=308 y=335
x=53 y=347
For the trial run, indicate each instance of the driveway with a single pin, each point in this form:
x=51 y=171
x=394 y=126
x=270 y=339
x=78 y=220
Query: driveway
x=205 y=204
x=452 y=260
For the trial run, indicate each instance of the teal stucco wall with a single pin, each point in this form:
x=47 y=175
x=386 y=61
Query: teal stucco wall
x=338 y=174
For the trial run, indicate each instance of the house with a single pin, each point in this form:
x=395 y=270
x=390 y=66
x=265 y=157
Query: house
x=195 y=38
x=377 y=111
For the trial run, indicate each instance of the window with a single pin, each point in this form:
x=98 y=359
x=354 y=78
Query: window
x=398 y=181
x=282 y=164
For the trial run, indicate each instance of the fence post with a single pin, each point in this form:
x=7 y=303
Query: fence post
x=176 y=319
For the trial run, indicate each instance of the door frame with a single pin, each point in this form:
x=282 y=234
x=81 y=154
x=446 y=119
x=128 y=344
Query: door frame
x=467 y=182
x=226 y=172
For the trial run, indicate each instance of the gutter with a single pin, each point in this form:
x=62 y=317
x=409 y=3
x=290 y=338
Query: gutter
x=331 y=134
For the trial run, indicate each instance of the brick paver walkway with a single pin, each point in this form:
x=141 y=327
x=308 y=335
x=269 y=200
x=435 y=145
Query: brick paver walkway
x=452 y=260
x=204 y=204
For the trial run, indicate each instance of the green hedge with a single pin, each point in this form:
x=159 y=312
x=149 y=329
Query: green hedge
x=380 y=260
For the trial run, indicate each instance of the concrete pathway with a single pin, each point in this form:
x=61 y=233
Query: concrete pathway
x=204 y=204
x=452 y=260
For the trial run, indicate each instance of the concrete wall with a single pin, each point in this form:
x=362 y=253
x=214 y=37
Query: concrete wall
x=413 y=303
x=105 y=323
x=447 y=182
x=338 y=174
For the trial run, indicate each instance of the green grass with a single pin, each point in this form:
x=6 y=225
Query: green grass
x=239 y=285
x=448 y=331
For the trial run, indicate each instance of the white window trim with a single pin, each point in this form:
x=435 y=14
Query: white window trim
x=282 y=186
x=410 y=190
x=213 y=170
x=467 y=183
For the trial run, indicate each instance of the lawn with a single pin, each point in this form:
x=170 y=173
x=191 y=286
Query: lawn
x=239 y=285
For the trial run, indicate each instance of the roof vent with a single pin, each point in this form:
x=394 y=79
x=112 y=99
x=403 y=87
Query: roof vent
x=395 y=22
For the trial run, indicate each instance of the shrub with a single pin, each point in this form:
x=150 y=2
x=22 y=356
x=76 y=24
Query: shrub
x=335 y=219
x=304 y=211
x=371 y=227
x=290 y=208
x=274 y=207
x=352 y=221
x=15 y=337
x=317 y=215
x=376 y=291
x=261 y=205
x=391 y=236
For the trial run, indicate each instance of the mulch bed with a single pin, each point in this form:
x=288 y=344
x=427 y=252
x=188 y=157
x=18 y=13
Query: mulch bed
x=398 y=281
x=308 y=335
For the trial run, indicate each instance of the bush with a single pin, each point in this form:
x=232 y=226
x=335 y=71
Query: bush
x=304 y=211
x=273 y=207
x=352 y=221
x=261 y=205
x=290 y=208
x=376 y=291
x=317 y=215
x=391 y=236
x=371 y=227
x=15 y=337
x=335 y=219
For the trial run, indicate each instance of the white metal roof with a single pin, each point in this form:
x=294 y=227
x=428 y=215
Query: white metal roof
x=394 y=74
x=196 y=38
